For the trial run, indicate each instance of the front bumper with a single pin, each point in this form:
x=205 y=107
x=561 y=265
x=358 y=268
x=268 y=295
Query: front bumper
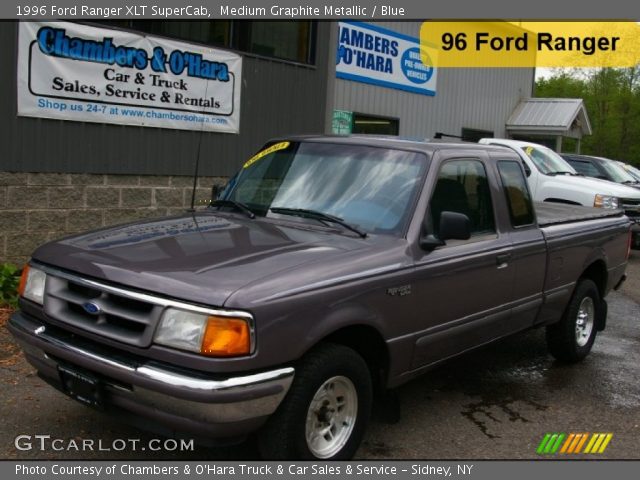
x=178 y=400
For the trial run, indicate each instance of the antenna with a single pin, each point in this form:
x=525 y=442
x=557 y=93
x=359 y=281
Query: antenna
x=195 y=173
x=197 y=165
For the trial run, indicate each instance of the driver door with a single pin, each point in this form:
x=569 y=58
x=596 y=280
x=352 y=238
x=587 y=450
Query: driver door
x=462 y=289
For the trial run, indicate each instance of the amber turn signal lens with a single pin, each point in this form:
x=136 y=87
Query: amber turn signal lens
x=23 y=280
x=226 y=337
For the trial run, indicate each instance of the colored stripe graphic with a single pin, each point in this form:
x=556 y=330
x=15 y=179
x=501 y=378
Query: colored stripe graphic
x=555 y=448
x=598 y=442
x=550 y=443
x=573 y=443
x=581 y=443
x=543 y=443
x=605 y=443
x=567 y=442
x=592 y=442
x=576 y=443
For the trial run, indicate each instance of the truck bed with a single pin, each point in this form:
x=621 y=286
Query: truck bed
x=549 y=213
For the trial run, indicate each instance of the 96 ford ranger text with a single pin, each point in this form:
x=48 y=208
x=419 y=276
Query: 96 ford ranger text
x=328 y=269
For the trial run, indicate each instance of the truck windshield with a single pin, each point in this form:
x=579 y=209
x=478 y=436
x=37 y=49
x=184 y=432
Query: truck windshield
x=547 y=161
x=616 y=172
x=633 y=171
x=366 y=188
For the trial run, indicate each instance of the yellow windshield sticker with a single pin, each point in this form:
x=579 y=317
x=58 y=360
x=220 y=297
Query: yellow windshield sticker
x=265 y=152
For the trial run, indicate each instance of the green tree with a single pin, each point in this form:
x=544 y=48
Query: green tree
x=612 y=99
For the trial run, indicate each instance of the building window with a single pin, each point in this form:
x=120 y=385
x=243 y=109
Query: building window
x=375 y=125
x=200 y=31
x=474 y=134
x=286 y=40
x=293 y=41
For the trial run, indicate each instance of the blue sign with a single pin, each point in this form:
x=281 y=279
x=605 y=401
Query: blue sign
x=370 y=54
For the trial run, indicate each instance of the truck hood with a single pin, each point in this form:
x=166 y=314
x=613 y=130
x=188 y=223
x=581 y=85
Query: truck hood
x=604 y=187
x=202 y=258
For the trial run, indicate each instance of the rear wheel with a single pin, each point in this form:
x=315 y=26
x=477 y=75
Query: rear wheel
x=571 y=339
x=326 y=410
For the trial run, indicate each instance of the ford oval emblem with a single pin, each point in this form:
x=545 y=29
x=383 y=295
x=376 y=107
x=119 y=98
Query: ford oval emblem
x=92 y=308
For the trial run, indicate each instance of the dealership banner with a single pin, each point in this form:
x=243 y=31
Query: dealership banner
x=81 y=73
x=378 y=56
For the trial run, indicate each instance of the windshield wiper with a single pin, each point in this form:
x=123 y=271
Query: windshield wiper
x=237 y=205
x=305 y=213
x=562 y=173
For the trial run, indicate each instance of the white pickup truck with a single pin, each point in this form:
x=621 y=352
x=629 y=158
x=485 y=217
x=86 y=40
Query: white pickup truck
x=552 y=179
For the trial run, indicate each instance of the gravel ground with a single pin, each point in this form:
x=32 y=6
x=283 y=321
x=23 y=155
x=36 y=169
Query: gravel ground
x=495 y=403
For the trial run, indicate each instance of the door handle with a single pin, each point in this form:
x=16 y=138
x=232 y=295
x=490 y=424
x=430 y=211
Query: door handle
x=502 y=260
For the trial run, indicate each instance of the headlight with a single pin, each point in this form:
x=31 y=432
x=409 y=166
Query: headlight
x=32 y=284
x=210 y=335
x=606 y=201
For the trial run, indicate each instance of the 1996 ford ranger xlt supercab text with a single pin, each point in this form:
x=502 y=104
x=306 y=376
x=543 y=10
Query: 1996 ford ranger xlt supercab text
x=328 y=269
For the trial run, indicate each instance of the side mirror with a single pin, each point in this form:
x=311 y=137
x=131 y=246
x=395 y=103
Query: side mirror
x=453 y=226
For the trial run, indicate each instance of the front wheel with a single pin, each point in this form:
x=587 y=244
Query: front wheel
x=571 y=339
x=326 y=410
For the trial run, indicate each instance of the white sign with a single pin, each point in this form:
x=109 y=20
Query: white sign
x=76 y=72
x=371 y=54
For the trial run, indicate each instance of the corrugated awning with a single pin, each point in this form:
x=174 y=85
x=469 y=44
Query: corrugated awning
x=557 y=116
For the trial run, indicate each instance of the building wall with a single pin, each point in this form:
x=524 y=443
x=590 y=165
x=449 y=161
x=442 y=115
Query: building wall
x=37 y=207
x=465 y=97
x=61 y=177
x=277 y=98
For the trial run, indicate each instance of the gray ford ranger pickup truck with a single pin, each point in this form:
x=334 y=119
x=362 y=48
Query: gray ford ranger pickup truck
x=327 y=270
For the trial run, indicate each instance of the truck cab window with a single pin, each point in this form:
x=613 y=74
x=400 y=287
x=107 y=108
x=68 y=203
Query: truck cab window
x=585 y=168
x=463 y=187
x=517 y=193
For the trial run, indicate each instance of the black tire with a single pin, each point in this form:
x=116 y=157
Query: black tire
x=284 y=435
x=562 y=337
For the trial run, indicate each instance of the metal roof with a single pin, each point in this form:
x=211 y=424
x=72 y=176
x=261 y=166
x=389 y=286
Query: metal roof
x=552 y=115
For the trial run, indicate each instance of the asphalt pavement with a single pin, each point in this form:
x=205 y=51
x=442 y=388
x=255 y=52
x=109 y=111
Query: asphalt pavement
x=495 y=403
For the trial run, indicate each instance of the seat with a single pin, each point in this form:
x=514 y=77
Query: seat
x=450 y=196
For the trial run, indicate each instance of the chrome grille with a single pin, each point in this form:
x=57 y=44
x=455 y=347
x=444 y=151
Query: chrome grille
x=125 y=315
x=117 y=316
x=631 y=203
x=631 y=208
